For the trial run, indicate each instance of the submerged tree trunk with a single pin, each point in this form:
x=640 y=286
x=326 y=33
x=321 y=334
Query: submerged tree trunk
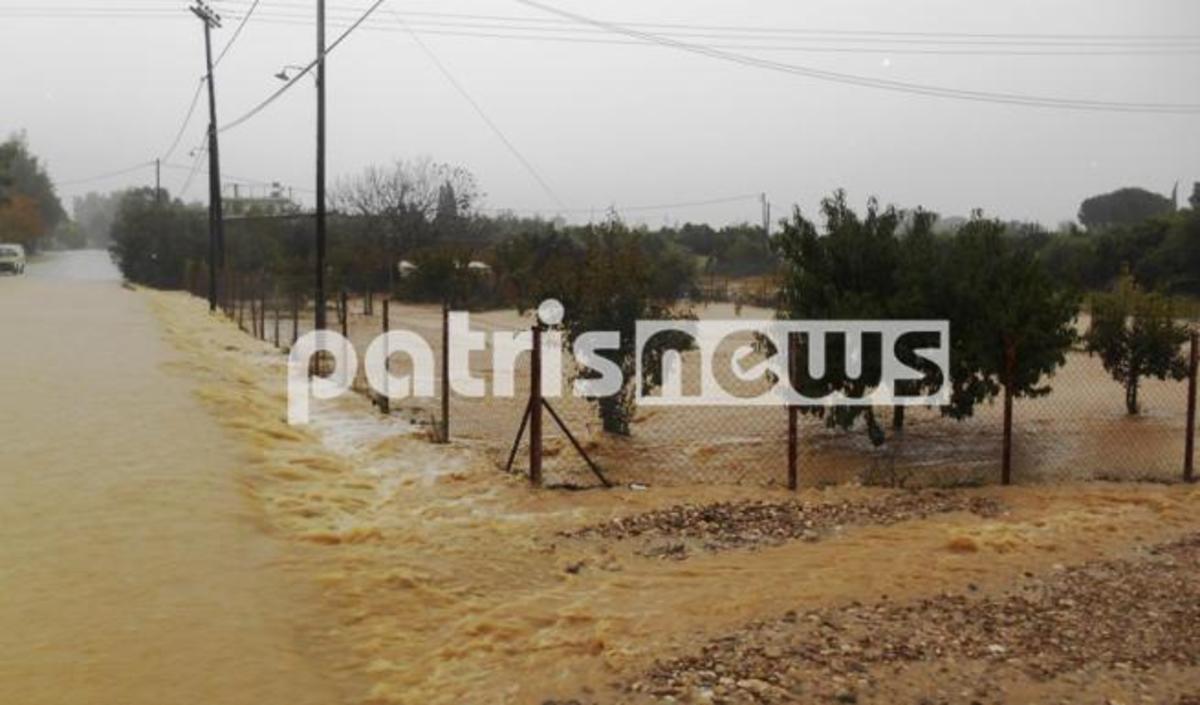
x=1131 y=395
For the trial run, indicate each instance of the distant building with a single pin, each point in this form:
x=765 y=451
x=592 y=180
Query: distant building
x=242 y=199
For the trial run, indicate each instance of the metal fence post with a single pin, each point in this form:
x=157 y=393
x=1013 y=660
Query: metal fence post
x=1006 y=458
x=1189 y=451
x=535 y=408
x=262 y=309
x=793 y=419
x=344 y=314
x=445 y=434
x=385 y=401
x=793 y=450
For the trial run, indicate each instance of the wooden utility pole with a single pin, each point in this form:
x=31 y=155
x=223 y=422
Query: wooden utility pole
x=216 y=224
x=320 y=284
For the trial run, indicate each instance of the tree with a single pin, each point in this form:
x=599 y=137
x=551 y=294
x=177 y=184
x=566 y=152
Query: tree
x=857 y=269
x=21 y=221
x=396 y=208
x=1135 y=334
x=1126 y=206
x=1010 y=321
x=94 y=214
x=1194 y=199
x=21 y=174
x=609 y=277
x=154 y=241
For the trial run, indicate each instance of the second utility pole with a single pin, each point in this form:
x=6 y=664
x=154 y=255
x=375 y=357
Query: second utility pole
x=216 y=222
x=320 y=291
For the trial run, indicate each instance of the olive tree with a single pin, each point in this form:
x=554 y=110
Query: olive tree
x=1135 y=334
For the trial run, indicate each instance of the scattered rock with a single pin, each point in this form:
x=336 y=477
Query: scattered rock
x=673 y=532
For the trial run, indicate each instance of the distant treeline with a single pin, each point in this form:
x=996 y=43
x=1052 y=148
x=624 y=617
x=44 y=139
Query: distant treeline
x=423 y=215
x=1011 y=291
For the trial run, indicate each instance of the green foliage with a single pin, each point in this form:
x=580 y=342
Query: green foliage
x=1010 y=321
x=736 y=250
x=1126 y=206
x=154 y=242
x=1162 y=252
x=1135 y=334
x=608 y=277
x=22 y=175
x=871 y=267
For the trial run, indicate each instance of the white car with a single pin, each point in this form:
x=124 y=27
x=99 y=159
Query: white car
x=12 y=258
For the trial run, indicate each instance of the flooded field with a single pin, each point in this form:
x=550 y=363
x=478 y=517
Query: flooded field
x=169 y=538
x=453 y=584
x=1079 y=431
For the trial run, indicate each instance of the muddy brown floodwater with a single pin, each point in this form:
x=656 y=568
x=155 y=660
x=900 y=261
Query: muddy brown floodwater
x=133 y=570
x=168 y=538
x=453 y=585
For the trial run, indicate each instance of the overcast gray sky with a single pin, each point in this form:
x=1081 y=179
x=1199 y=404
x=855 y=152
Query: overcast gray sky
x=102 y=86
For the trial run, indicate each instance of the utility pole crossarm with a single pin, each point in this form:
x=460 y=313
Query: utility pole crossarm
x=206 y=14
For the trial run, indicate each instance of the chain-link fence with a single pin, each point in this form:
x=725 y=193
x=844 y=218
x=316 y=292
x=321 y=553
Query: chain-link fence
x=1080 y=430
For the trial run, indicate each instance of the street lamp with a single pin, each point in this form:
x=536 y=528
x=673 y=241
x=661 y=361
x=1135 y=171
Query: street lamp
x=283 y=73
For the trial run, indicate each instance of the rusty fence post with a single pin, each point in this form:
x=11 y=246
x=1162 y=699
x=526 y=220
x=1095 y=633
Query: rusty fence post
x=240 y=301
x=262 y=309
x=793 y=418
x=385 y=400
x=1189 y=450
x=793 y=448
x=444 y=436
x=295 y=319
x=1006 y=455
x=343 y=314
x=253 y=294
x=535 y=408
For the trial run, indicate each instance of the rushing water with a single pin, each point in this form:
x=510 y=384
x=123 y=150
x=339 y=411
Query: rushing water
x=167 y=538
x=132 y=569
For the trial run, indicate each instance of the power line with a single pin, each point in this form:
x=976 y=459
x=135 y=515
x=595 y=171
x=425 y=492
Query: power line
x=187 y=118
x=234 y=178
x=236 y=33
x=512 y=148
x=192 y=170
x=515 y=24
x=1065 y=46
x=107 y=175
x=275 y=95
x=793 y=30
x=878 y=83
x=548 y=35
x=757 y=33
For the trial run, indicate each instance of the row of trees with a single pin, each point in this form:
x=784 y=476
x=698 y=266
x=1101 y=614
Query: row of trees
x=30 y=211
x=1001 y=285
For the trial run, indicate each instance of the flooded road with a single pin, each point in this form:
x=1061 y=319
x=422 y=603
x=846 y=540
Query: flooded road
x=132 y=567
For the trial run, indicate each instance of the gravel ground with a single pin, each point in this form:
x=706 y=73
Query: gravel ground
x=677 y=532
x=1109 y=632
